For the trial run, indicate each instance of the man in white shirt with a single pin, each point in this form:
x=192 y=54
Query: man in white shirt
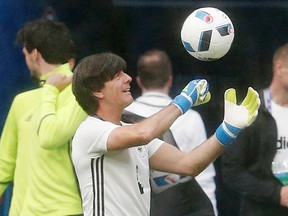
x=112 y=159
x=155 y=76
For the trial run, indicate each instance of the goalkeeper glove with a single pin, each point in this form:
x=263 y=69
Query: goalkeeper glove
x=237 y=117
x=196 y=92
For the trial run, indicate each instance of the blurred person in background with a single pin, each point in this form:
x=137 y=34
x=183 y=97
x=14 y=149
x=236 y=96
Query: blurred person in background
x=17 y=81
x=182 y=195
x=35 y=142
x=256 y=164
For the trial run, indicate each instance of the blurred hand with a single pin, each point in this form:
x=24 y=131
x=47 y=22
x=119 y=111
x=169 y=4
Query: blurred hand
x=284 y=196
x=60 y=81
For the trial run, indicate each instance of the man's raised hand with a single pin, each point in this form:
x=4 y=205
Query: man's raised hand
x=196 y=92
x=237 y=117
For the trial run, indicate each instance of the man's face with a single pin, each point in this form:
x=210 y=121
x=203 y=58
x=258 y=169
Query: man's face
x=30 y=62
x=283 y=73
x=117 y=91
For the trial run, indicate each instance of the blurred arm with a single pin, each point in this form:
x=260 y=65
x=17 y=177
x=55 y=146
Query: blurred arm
x=59 y=117
x=8 y=149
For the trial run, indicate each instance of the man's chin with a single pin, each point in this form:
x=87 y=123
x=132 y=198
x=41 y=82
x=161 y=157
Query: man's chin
x=131 y=101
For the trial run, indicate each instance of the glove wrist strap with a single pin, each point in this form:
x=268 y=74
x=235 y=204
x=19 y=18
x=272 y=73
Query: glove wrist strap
x=226 y=133
x=182 y=102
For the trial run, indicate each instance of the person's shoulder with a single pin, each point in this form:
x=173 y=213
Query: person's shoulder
x=137 y=109
x=25 y=100
x=191 y=117
x=92 y=121
x=27 y=94
x=135 y=105
x=192 y=113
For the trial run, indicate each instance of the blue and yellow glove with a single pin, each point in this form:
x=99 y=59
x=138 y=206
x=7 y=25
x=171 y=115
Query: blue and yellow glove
x=237 y=117
x=196 y=92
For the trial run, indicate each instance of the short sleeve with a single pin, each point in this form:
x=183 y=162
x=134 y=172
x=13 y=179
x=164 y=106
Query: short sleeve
x=153 y=146
x=91 y=137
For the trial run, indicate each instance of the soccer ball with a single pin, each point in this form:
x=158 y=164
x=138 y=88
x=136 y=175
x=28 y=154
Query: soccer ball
x=207 y=34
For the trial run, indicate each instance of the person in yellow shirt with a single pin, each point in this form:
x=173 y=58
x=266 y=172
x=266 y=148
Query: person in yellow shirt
x=35 y=142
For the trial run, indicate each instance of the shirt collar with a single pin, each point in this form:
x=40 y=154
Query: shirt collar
x=63 y=69
x=154 y=93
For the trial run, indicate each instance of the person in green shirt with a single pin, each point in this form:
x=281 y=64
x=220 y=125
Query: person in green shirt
x=35 y=142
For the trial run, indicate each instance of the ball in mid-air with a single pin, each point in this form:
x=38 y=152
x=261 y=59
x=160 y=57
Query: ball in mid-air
x=207 y=34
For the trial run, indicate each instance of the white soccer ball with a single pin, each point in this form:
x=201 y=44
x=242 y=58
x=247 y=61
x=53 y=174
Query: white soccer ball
x=207 y=34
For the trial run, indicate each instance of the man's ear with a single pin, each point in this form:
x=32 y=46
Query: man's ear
x=170 y=81
x=36 y=54
x=98 y=94
x=139 y=83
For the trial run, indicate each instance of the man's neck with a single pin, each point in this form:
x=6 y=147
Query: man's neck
x=46 y=68
x=110 y=115
x=161 y=90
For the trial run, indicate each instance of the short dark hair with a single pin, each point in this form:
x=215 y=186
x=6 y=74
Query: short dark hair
x=154 y=68
x=281 y=53
x=51 y=38
x=91 y=74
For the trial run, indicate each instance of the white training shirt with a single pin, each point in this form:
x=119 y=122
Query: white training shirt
x=111 y=183
x=280 y=161
x=188 y=131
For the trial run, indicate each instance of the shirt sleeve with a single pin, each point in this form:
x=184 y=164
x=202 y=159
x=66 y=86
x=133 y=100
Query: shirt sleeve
x=153 y=146
x=99 y=139
x=60 y=115
x=90 y=139
x=8 y=149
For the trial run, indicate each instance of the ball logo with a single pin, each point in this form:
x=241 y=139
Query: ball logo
x=230 y=29
x=204 y=16
x=208 y=19
x=225 y=30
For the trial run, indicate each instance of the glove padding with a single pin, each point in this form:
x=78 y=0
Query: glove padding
x=237 y=117
x=196 y=92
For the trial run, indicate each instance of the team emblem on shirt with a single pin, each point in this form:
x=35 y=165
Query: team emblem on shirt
x=141 y=151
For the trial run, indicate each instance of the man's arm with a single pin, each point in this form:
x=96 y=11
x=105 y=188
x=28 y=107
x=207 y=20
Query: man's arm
x=236 y=117
x=8 y=150
x=284 y=196
x=57 y=124
x=170 y=159
x=195 y=93
x=144 y=131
